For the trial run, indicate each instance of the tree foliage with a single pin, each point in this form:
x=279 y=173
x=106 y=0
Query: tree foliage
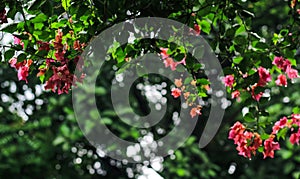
x=255 y=42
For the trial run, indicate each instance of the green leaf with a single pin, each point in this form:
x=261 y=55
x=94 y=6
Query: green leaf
x=10 y=28
x=9 y=54
x=249 y=118
x=58 y=140
x=66 y=4
x=64 y=129
x=100 y=91
x=237 y=60
x=296 y=110
x=181 y=172
x=203 y=81
x=205 y=26
x=21 y=57
x=286 y=154
x=106 y=121
x=47 y=8
x=282 y=133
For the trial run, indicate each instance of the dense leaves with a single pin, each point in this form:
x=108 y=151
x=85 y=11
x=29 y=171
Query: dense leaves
x=256 y=43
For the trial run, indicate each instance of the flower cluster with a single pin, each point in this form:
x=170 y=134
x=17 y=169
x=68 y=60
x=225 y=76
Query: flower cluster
x=286 y=67
x=291 y=124
x=248 y=142
x=168 y=61
x=56 y=65
x=264 y=78
x=180 y=88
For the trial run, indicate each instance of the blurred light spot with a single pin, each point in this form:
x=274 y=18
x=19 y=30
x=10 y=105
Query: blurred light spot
x=286 y=100
x=232 y=168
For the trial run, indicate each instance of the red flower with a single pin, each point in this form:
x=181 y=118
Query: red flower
x=229 y=80
x=255 y=96
x=197 y=29
x=61 y=80
x=295 y=137
x=43 y=45
x=77 y=45
x=264 y=76
x=281 y=80
x=236 y=94
x=176 y=92
x=270 y=146
x=163 y=53
x=281 y=63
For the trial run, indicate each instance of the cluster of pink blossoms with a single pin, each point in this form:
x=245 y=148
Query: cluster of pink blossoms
x=168 y=61
x=264 y=78
x=61 y=79
x=291 y=124
x=248 y=142
x=180 y=88
x=286 y=67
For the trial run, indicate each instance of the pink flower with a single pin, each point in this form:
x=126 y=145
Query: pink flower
x=270 y=146
x=237 y=129
x=279 y=125
x=281 y=63
x=292 y=73
x=176 y=92
x=164 y=53
x=281 y=80
x=18 y=41
x=23 y=69
x=247 y=142
x=169 y=62
x=255 y=96
x=236 y=94
x=23 y=73
x=195 y=111
x=181 y=62
x=296 y=119
x=264 y=76
x=13 y=62
x=229 y=80
x=295 y=137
